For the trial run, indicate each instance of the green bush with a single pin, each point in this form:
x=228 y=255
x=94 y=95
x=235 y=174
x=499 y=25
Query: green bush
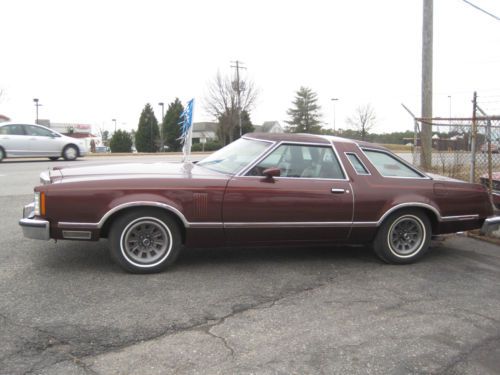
x=209 y=146
x=121 y=141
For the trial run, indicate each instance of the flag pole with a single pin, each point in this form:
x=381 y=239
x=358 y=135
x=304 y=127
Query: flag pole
x=186 y=124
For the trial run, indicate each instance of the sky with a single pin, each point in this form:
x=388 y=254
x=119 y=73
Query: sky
x=93 y=61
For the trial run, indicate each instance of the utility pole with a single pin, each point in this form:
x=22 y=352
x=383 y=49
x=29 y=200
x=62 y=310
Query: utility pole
x=37 y=104
x=334 y=100
x=427 y=44
x=161 y=104
x=237 y=87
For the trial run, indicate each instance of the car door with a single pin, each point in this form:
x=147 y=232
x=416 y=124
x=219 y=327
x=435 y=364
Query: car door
x=311 y=200
x=13 y=140
x=42 y=141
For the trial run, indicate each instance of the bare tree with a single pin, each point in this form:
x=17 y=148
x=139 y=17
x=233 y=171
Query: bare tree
x=221 y=101
x=363 y=119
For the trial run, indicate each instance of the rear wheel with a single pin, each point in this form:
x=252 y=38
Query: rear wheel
x=145 y=241
x=404 y=237
x=2 y=154
x=70 y=153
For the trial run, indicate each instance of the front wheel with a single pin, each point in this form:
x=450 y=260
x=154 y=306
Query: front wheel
x=404 y=237
x=145 y=241
x=2 y=154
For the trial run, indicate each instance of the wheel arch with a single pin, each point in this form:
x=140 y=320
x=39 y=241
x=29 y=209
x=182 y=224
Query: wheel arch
x=431 y=212
x=108 y=219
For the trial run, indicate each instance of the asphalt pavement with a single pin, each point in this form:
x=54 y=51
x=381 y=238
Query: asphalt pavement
x=66 y=308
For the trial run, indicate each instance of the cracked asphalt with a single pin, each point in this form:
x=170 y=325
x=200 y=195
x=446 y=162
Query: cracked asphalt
x=65 y=308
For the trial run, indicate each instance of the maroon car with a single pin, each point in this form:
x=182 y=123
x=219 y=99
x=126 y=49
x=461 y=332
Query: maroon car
x=263 y=189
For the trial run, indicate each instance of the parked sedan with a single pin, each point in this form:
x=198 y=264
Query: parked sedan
x=30 y=140
x=263 y=189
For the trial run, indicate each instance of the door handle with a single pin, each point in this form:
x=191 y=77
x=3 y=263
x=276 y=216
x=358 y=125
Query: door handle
x=339 y=191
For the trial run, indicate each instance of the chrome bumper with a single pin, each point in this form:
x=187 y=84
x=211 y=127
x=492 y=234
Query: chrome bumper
x=34 y=228
x=491 y=224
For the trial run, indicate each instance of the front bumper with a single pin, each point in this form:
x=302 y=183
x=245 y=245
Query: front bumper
x=491 y=224
x=36 y=229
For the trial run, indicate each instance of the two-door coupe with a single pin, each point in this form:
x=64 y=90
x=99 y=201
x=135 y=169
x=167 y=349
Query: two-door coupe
x=263 y=189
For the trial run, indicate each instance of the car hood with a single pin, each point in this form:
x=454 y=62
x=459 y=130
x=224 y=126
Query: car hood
x=128 y=171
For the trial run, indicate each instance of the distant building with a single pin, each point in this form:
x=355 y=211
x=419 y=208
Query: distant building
x=4 y=118
x=269 y=127
x=208 y=130
x=204 y=130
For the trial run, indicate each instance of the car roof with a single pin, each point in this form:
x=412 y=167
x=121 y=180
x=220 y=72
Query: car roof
x=22 y=123
x=309 y=138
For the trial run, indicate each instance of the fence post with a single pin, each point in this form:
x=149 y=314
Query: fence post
x=490 y=156
x=473 y=140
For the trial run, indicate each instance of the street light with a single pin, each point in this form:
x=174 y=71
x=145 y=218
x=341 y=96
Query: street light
x=37 y=104
x=334 y=100
x=161 y=104
x=114 y=120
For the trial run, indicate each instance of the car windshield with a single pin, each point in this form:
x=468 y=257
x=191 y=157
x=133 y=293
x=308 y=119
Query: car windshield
x=234 y=156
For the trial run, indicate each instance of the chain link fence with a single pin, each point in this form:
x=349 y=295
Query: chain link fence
x=463 y=148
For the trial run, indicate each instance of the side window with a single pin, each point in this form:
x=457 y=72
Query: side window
x=38 y=131
x=14 y=130
x=357 y=164
x=301 y=161
x=389 y=166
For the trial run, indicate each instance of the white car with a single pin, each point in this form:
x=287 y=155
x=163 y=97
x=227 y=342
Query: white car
x=30 y=140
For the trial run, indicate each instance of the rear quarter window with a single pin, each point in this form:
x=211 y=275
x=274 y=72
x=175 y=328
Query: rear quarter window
x=389 y=166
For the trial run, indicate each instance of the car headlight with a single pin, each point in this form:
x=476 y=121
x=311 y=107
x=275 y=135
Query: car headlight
x=39 y=204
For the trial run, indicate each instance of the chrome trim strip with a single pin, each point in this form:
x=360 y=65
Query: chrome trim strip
x=296 y=178
x=206 y=225
x=292 y=224
x=365 y=224
x=459 y=218
x=143 y=203
x=258 y=139
x=409 y=204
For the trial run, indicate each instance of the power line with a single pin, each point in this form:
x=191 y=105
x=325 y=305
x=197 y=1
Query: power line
x=482 y=10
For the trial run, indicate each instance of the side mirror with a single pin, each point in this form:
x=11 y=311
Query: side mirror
x=272 y=172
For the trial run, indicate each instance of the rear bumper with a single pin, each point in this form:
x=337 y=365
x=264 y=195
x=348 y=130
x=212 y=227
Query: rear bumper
x=490 y=224
x=36 y=229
